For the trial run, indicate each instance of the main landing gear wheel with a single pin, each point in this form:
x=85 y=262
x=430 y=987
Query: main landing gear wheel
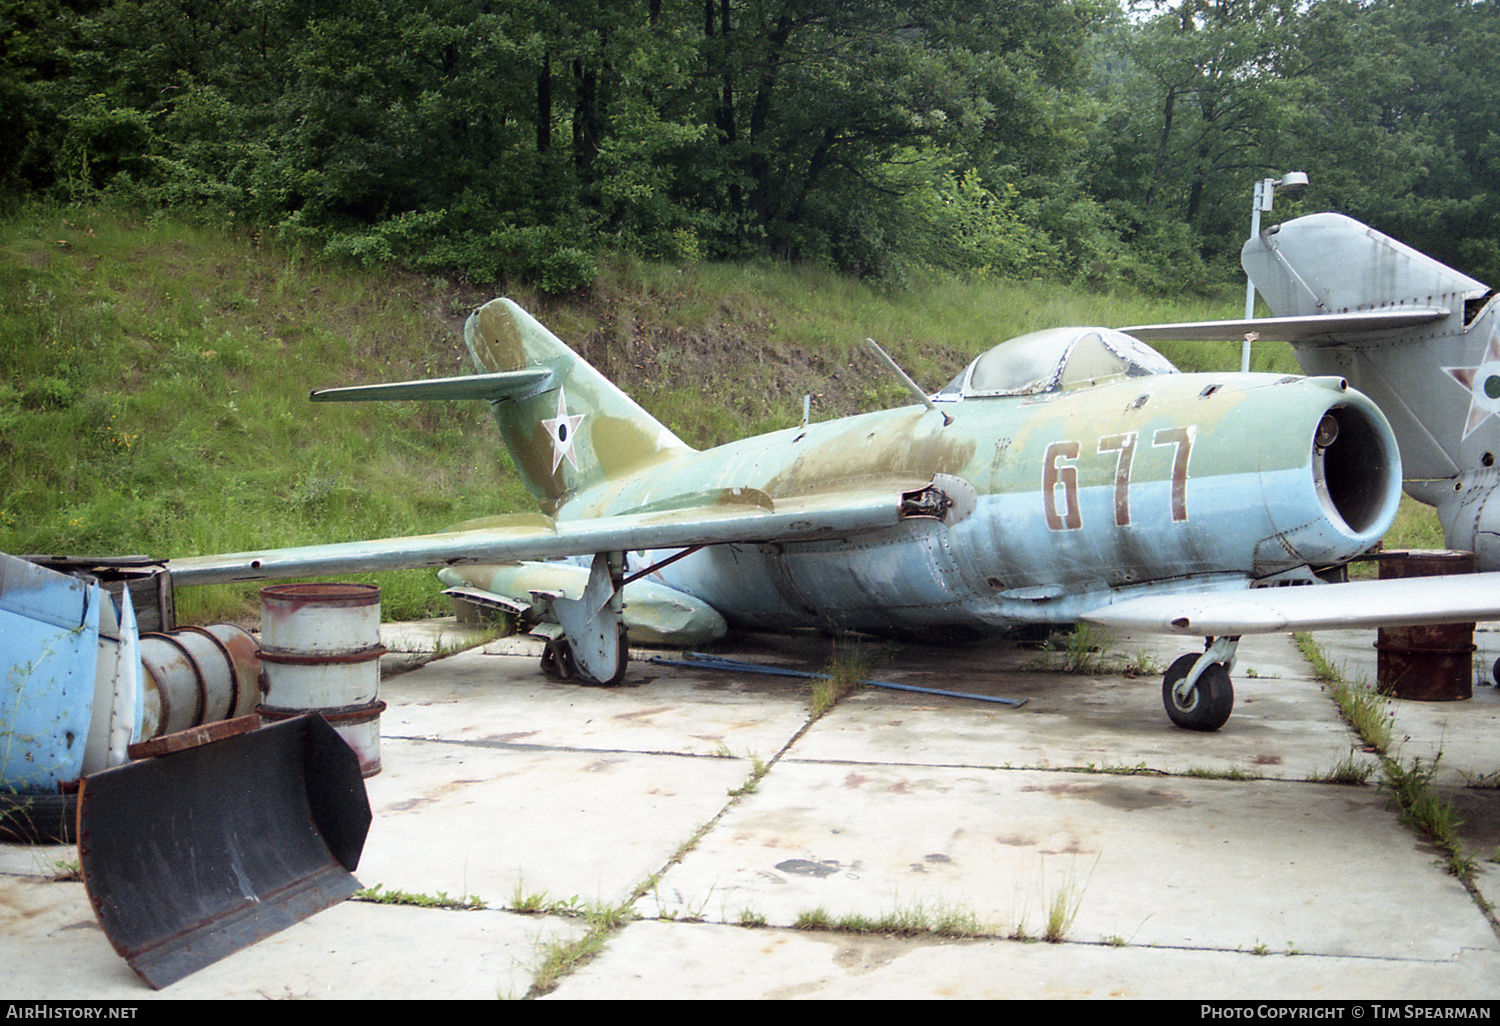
x=560 y=662
x=1208 y=705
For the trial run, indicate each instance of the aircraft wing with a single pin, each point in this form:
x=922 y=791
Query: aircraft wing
x=1400 y=602
x=1290 y=329
x=732 y=515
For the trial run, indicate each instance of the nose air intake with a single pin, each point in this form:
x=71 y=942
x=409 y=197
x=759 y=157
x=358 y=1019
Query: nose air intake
x=1356 y=470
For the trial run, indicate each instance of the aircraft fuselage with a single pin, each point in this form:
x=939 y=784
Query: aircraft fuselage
x=1174 y=480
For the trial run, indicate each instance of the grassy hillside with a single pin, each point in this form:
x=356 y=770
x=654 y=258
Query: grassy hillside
x=154 y=393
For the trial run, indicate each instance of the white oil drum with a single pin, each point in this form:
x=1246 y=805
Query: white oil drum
x=320 y=652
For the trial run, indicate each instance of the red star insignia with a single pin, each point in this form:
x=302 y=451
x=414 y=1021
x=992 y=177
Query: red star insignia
x=1483 y=385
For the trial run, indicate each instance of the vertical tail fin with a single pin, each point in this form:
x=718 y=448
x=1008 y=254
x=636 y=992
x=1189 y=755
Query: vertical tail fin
x=575 y=429
x=1438 y=384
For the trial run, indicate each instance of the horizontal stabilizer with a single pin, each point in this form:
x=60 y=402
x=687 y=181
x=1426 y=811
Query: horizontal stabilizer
x=1290 y=329
x=1397 y=602
x=533 y=536
x=507 y=385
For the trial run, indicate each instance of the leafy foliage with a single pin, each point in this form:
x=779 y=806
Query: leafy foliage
x=1099 y=142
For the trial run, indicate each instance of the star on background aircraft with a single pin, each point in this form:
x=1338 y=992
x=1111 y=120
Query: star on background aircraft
x=1068 y=474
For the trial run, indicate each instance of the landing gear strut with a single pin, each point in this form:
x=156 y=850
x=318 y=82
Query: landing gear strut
x=1196 y=689
x=592 y=648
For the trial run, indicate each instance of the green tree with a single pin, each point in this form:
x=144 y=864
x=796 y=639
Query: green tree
x=1405 y=128
x=820 y=108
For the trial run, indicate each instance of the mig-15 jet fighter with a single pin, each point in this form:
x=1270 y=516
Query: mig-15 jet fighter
x=1070 y=474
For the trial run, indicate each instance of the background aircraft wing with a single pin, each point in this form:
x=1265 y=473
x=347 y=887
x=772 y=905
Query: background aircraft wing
x=732 y=515
x=1403 y=602
x=1290 y=329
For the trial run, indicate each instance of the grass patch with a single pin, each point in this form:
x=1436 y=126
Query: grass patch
x=1421 y=809
x=845 y=675
x=380 y=896
x=916 y=920
x=1082 y=651
x=1350 y=770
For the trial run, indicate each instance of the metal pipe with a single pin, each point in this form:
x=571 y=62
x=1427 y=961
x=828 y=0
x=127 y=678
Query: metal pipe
x=708 y=662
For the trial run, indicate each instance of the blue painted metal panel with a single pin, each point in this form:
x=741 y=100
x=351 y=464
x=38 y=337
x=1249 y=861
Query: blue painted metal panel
x=49 y=650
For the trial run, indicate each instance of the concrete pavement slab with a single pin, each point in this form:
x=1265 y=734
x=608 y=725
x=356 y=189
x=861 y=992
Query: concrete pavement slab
x=649 y=960
x=51 y=947
x=1193 y=865
x=1453 y=741
x=1283 y=726
x=1318 y=869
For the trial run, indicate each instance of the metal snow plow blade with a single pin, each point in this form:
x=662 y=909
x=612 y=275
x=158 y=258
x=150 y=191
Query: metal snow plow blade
x=203 y=850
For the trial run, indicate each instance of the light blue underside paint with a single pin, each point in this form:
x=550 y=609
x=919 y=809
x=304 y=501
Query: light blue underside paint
x=1004 y=566
x=49 y=637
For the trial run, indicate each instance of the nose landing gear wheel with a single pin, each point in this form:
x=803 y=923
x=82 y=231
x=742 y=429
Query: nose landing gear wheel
x=1208 y=705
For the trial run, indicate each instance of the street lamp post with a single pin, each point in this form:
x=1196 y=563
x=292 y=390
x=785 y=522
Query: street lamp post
x=1264 y=195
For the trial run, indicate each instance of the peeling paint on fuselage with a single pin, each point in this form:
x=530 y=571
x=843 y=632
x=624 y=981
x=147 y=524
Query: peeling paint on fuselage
x=1168 y=480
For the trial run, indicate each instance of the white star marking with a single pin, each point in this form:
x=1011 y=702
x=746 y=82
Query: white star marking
x=563 y=429
x=1483 y=385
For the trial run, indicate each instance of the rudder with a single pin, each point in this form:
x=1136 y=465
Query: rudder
x=575 y=428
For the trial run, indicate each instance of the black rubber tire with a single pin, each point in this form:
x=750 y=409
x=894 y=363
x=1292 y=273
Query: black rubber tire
x=558 y=662
x=39 y=818
x=1208 y=706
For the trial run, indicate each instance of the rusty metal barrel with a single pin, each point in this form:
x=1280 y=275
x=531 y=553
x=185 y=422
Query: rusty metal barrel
x=320 y=652
x=197 y=675
x=1432 y=663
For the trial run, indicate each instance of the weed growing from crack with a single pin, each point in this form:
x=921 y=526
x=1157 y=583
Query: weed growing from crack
x=1410 y=787
x=1423 y=811
x=1349 y=770
x=561 y=957
x=1364 y=708
x=813 y=919
x=846 y=674
x=1232 y=773
x=380 y=896
x=1368 y=712
x=1323 y=670
x=903 y=921
x=1082 y=652
x=758 y=769
x=1063 y=905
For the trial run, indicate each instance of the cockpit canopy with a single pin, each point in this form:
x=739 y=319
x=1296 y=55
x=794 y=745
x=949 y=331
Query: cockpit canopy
x=1055 y=360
